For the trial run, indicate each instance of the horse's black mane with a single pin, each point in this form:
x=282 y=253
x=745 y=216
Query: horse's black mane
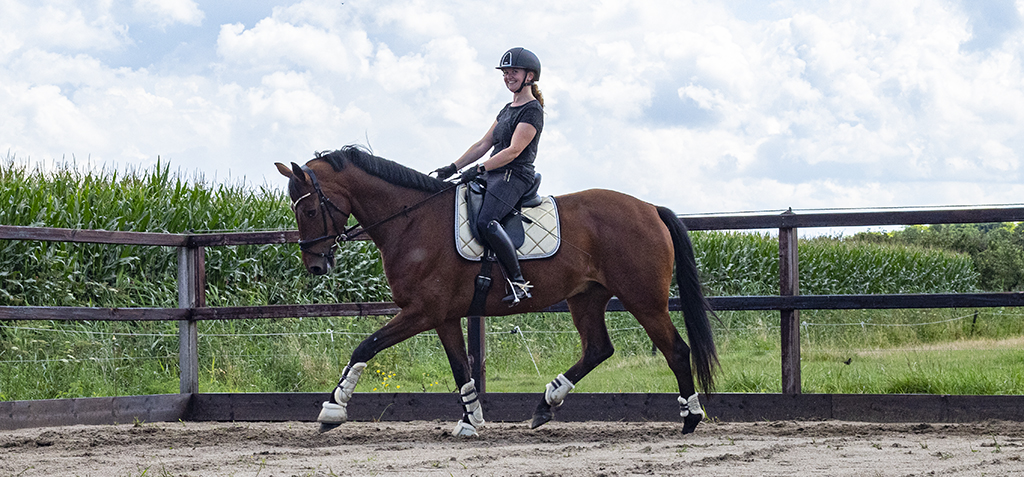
x=389 y=171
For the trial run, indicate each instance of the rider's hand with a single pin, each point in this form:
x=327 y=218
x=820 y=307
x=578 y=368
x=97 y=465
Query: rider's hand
x=446 y=171
x=469 y=175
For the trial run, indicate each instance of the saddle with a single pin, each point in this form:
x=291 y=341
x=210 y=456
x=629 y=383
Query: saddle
x=532 y=225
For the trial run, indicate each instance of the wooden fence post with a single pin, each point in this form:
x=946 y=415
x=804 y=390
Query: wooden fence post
x=477 y=342
x=191 y=294
x=789 y=285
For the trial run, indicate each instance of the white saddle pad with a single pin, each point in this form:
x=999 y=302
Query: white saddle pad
x=543 y=236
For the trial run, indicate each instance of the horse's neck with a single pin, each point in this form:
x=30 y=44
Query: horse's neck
x=379 y=206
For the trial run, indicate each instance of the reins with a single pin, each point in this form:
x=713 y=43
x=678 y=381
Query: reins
x=326 y=206
x=346 y=235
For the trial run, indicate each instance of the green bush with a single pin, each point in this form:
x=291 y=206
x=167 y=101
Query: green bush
x=997 y=250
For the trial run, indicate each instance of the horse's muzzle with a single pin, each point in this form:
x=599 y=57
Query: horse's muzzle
x=318 y=265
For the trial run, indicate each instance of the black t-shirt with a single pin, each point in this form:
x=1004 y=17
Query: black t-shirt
x=510 y=116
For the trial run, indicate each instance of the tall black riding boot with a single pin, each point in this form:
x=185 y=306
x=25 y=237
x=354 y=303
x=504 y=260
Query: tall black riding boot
x=503 y=249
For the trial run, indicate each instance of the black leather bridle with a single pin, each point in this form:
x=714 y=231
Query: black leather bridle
x=327 y=208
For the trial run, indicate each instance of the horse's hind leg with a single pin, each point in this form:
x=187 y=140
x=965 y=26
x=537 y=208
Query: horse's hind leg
x=659 y=327
x=587 y=310
x=450 y=334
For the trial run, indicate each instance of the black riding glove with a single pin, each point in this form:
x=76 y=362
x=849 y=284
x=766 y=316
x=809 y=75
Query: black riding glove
x=469 y=175
x=446 y=171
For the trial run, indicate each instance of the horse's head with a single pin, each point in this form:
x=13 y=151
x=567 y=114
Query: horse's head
x=321 y=221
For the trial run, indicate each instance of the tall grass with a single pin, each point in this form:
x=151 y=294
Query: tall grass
x=70 y=359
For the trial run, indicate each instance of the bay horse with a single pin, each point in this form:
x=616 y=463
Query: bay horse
x=612 y=245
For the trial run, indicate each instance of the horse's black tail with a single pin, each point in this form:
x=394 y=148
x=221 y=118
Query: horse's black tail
x=695 y=305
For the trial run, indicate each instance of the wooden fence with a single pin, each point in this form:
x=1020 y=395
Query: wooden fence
x=192 y=308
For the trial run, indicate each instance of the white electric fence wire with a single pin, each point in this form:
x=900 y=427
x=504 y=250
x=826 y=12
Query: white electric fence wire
x=863 y=324
x=518 y=331
x=848 y=209
x=515 y=330
x=84 y=332
x=79 y=360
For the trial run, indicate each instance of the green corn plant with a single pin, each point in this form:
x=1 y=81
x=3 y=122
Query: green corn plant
x=71 y=359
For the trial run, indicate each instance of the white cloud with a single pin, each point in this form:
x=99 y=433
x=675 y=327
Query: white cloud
x=60 y=24
x=8 y=43
x=167 y=12
x=47 y=68
x=417 y=17
x=396 y=74
x=41 y=118
x=685 y=103
x=286 y=99
x=273 y=45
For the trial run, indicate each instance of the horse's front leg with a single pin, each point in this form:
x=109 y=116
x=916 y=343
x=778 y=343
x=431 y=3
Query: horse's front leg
x=450 y=333
x=334 y=412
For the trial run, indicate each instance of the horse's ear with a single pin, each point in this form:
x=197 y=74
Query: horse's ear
x=299 y=173
x=284 y=170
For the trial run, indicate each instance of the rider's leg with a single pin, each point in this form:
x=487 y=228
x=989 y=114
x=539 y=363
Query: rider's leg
x=503 y=249
x=504 y=190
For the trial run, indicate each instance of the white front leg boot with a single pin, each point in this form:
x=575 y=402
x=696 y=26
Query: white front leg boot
x=335 y=411
x=474 y=412
x=557 y=389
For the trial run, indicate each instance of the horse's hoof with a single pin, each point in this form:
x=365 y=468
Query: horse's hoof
x=464 y=429
x=540 y=418
x=690 y=422
x=326 y=426
x=332 y=415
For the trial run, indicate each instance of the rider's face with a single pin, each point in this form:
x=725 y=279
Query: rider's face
x=513 y=77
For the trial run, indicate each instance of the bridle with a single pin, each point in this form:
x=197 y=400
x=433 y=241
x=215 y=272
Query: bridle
x=328 y=208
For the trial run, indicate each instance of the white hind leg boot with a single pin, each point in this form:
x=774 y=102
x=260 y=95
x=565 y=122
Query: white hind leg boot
x=474 y=412
x=557 y=389
x=335 y=411
x=690 y=406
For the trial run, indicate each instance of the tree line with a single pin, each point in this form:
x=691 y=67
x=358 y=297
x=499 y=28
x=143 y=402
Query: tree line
x=996 y=249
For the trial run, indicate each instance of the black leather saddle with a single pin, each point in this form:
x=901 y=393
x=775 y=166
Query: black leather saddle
x=513 y=222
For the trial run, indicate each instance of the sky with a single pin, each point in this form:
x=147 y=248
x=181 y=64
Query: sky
x=701 y=106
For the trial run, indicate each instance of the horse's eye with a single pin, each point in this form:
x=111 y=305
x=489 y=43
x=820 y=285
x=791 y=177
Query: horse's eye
x=311 y=213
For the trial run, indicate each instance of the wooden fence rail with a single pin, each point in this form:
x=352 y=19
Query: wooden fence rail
x=191 y=281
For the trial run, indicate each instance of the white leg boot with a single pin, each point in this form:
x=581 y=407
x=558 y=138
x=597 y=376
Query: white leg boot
x=690 y=406
x=335 y=411
x=474 y=412
x=557 y=389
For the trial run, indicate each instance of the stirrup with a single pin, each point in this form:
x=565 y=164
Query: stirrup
x=520 y=291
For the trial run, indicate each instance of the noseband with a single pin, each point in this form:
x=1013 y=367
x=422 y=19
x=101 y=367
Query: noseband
x=326 y=208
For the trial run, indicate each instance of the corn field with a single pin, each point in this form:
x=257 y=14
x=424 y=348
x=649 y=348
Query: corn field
x=58 y=359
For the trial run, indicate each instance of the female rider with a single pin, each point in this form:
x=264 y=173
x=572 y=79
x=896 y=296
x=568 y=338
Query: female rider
x=509 y=170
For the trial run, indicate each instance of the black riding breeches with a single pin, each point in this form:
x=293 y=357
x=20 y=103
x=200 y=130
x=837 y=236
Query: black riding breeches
x=504 y=190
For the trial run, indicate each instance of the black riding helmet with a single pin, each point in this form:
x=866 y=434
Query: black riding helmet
x=521 y=58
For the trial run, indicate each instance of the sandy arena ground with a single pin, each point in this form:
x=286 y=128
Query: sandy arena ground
x=829 y=448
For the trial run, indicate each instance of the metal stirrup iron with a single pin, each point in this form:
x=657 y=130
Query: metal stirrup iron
x=520 y=290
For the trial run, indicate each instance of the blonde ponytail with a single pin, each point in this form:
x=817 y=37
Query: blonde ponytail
x=536 y=94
